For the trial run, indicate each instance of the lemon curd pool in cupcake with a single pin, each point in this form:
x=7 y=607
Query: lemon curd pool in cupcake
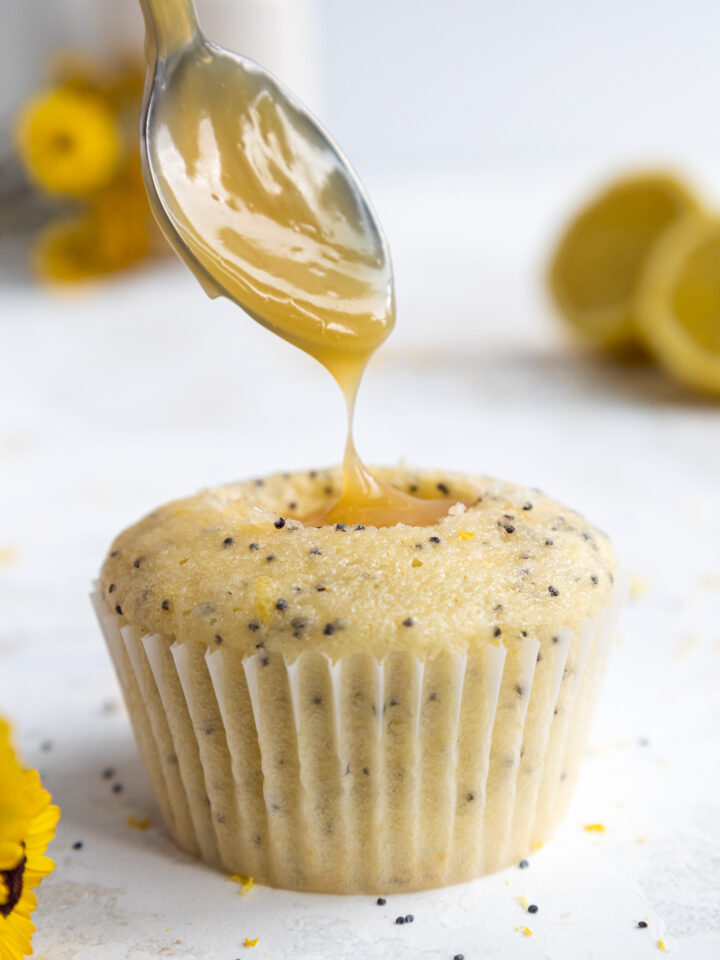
x=352 y=708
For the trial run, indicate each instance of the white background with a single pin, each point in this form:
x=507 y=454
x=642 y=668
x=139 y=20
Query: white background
x=444 y=84
x=137 y=391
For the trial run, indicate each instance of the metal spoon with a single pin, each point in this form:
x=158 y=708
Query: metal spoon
x=256 y=198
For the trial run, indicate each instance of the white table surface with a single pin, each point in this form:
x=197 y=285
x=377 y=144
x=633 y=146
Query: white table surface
x=142 y=390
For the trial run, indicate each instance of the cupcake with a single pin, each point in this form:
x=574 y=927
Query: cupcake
x=346 y=708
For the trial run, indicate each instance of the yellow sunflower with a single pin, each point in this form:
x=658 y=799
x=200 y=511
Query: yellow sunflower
x=113 y=232
x=69 y=141
x=27 y=825
x=120 y=84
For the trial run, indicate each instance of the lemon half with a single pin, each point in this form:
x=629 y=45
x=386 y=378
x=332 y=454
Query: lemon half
x=678 y=302
x=594 y=271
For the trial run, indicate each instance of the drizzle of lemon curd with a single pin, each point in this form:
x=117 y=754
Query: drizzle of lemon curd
x=266 y=209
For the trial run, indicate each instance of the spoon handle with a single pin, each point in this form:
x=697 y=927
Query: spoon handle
x=169 y=25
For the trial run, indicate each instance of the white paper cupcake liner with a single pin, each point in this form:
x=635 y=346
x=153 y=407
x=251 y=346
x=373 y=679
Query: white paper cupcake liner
x=362 y=775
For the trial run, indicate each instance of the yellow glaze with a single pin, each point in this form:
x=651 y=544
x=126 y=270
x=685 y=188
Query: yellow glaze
x=269 y=212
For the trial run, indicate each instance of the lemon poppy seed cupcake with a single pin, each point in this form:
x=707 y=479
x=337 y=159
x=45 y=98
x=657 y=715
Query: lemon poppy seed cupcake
x=355 y=709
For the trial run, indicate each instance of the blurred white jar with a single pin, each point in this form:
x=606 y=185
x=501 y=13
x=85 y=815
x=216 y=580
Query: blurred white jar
x=281 y=35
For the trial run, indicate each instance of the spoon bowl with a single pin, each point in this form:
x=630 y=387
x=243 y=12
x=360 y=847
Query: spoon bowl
x=255 y=196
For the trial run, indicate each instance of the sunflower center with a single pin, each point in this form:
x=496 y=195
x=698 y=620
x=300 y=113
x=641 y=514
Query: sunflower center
x=62 y=142
x=13 y=880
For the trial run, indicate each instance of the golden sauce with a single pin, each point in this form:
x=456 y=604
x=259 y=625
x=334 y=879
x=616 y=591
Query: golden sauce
x=270 y=214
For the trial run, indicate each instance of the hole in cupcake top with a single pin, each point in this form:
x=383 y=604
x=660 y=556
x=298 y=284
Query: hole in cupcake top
x=388 y=498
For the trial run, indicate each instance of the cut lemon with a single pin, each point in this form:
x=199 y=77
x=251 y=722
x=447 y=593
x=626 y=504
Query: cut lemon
x=595 y=268
x=678 y=302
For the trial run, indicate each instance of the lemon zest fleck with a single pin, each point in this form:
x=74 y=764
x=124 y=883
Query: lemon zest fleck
x=466 y=534
x=9 y=556
x=525 y=931
x=595 y=827
x=661 y=945
x=523 y=901
x=638 y=585
x=264 y=589
x=416 y=562
x=140 y=823
x=246 y=883
x=251 y=943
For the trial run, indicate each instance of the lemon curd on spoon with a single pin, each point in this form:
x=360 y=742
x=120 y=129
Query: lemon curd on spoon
x=267 y=212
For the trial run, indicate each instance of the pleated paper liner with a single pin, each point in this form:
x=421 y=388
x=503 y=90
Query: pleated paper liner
x=361 y=775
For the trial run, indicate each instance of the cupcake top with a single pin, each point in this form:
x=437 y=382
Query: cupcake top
x=236 y=565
